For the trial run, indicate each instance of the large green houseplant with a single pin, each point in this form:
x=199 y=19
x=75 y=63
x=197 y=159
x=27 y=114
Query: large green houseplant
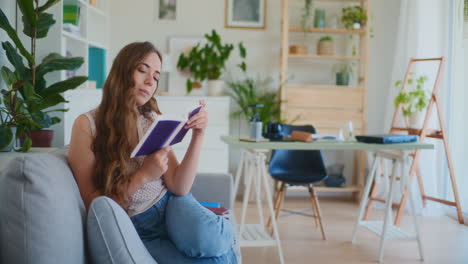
x=207 y=62
x=27 y=99
x=413 y=100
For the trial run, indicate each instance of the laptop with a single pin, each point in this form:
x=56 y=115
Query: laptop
x=387 y=138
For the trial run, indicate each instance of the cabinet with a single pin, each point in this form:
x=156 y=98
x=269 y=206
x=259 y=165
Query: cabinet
x=90 y=40
x=313 y=100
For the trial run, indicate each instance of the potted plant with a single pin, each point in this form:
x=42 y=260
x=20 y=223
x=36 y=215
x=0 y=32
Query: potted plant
x=414 y=100
x=207 y=62
x=305 y=25
x=343 y=72
x=325 y=46
x=28 y=97
x=354 y=17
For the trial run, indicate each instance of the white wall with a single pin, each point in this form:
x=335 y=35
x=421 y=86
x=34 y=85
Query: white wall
x=8 y=7
x=134 y=22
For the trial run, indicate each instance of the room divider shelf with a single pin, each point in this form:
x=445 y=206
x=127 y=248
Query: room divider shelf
x=328 y=30
x=323 y=57
x=393 y=232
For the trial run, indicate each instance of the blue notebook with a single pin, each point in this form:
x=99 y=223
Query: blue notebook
x=162 y=133
x=387 y=139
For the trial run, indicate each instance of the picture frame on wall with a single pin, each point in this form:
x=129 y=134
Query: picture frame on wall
x=165 y=10
x=245 y=14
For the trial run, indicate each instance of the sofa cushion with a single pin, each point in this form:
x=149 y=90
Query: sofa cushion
x=42 y=215
x=112 y=238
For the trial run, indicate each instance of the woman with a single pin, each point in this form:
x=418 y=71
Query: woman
x=154 y=189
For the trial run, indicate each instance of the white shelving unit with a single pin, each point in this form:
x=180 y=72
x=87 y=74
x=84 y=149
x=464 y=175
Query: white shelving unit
x=93 y=35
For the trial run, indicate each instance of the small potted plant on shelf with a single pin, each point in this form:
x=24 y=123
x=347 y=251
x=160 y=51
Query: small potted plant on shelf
x=28 y=99
x=207 y=62
x=305 y=25
x=354 y=17
x=414 y=100
x=343 y=72
x=325 y=46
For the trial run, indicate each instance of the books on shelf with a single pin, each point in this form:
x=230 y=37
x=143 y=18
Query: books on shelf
x=71 y=14
x=162 y=133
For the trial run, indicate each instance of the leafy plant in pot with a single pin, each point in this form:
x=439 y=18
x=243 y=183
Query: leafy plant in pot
x=343 y=72
x=305 y=25
x=325 y=46
x=207 y=62
x=414 y=100
x=28 y=100
x=354 y=17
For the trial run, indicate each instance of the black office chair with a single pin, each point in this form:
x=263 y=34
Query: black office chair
x=297 y=167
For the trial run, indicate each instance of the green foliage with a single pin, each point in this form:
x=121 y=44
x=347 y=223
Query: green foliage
x=326 y=38
x=207 y=61
x=353 y=14
x=415 y=98
x=306 y=16
x=27 y=95
x=344 y=67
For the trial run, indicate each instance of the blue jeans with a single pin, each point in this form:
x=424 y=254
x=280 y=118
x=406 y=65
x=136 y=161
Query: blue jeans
x=180 y=230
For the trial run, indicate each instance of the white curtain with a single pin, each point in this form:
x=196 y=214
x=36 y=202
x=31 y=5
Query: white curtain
x=423 y=32
x=458 y=96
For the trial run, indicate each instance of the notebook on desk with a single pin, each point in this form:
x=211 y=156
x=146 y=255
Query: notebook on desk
x=387 y=138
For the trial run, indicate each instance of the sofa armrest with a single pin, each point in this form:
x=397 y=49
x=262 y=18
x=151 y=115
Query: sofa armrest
x=214 y=187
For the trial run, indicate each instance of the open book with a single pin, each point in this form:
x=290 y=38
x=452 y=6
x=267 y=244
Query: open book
x=162 y=133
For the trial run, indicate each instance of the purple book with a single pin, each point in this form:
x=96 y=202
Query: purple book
x=162 y=133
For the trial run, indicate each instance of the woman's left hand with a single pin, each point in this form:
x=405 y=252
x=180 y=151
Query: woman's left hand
x=199 y=121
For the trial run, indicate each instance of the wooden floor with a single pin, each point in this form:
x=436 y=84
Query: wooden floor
x=444 y=240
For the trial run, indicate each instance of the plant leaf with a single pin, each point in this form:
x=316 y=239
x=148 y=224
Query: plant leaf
x=14 y=58
x=28 y=11
x=45 y=22
x=5 y=136
x=56 y=62
x=49 y=101
x=242 y=50
x=63 y=86
x=27 y=144
x=47 y=5
x=8 y=76
x=5 y=25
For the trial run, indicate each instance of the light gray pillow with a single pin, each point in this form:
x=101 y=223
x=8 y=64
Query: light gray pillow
x=42 y=215
x=112 y=238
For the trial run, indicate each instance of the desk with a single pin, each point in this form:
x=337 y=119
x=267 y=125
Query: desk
x=253 y=161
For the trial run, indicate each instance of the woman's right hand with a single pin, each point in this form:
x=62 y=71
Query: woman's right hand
x=156 y=164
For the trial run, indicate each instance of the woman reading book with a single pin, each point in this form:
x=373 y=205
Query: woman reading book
x=153 y=189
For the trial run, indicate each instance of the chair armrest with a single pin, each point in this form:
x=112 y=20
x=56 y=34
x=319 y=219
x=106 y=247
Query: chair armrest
x=214 y=187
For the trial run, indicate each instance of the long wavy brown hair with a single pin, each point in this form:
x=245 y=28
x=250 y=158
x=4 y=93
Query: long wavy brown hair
x=115 y=118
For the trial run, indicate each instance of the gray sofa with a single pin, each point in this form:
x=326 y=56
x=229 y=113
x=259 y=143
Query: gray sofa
x=43 y=219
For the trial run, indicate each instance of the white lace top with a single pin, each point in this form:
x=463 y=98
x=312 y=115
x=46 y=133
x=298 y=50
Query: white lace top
x=150 y=192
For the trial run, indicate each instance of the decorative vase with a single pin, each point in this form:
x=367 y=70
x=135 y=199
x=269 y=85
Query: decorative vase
x=12 y=144
x=215 y=87
x=297 y=49
x=319 y=18
x=416 y=119
x=325 y=47
x=40 y=138
x=342 y=78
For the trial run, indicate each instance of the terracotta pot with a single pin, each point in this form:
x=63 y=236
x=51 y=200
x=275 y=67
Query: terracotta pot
x=297 y=49
x=325 y=48
x=40 y=138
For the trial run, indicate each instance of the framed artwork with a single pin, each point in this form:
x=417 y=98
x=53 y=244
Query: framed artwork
x=178 y=79
x=245 y=14
x=165 y=9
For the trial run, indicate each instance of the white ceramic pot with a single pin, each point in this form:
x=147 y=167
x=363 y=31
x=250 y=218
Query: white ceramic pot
x=416 y=120
x=215 y=87
x=356 y=25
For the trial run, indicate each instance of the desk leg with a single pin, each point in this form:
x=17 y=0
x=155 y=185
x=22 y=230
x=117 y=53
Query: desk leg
x=258 y=182
x=261 y=161
x=245 y=201
x=238 y=175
